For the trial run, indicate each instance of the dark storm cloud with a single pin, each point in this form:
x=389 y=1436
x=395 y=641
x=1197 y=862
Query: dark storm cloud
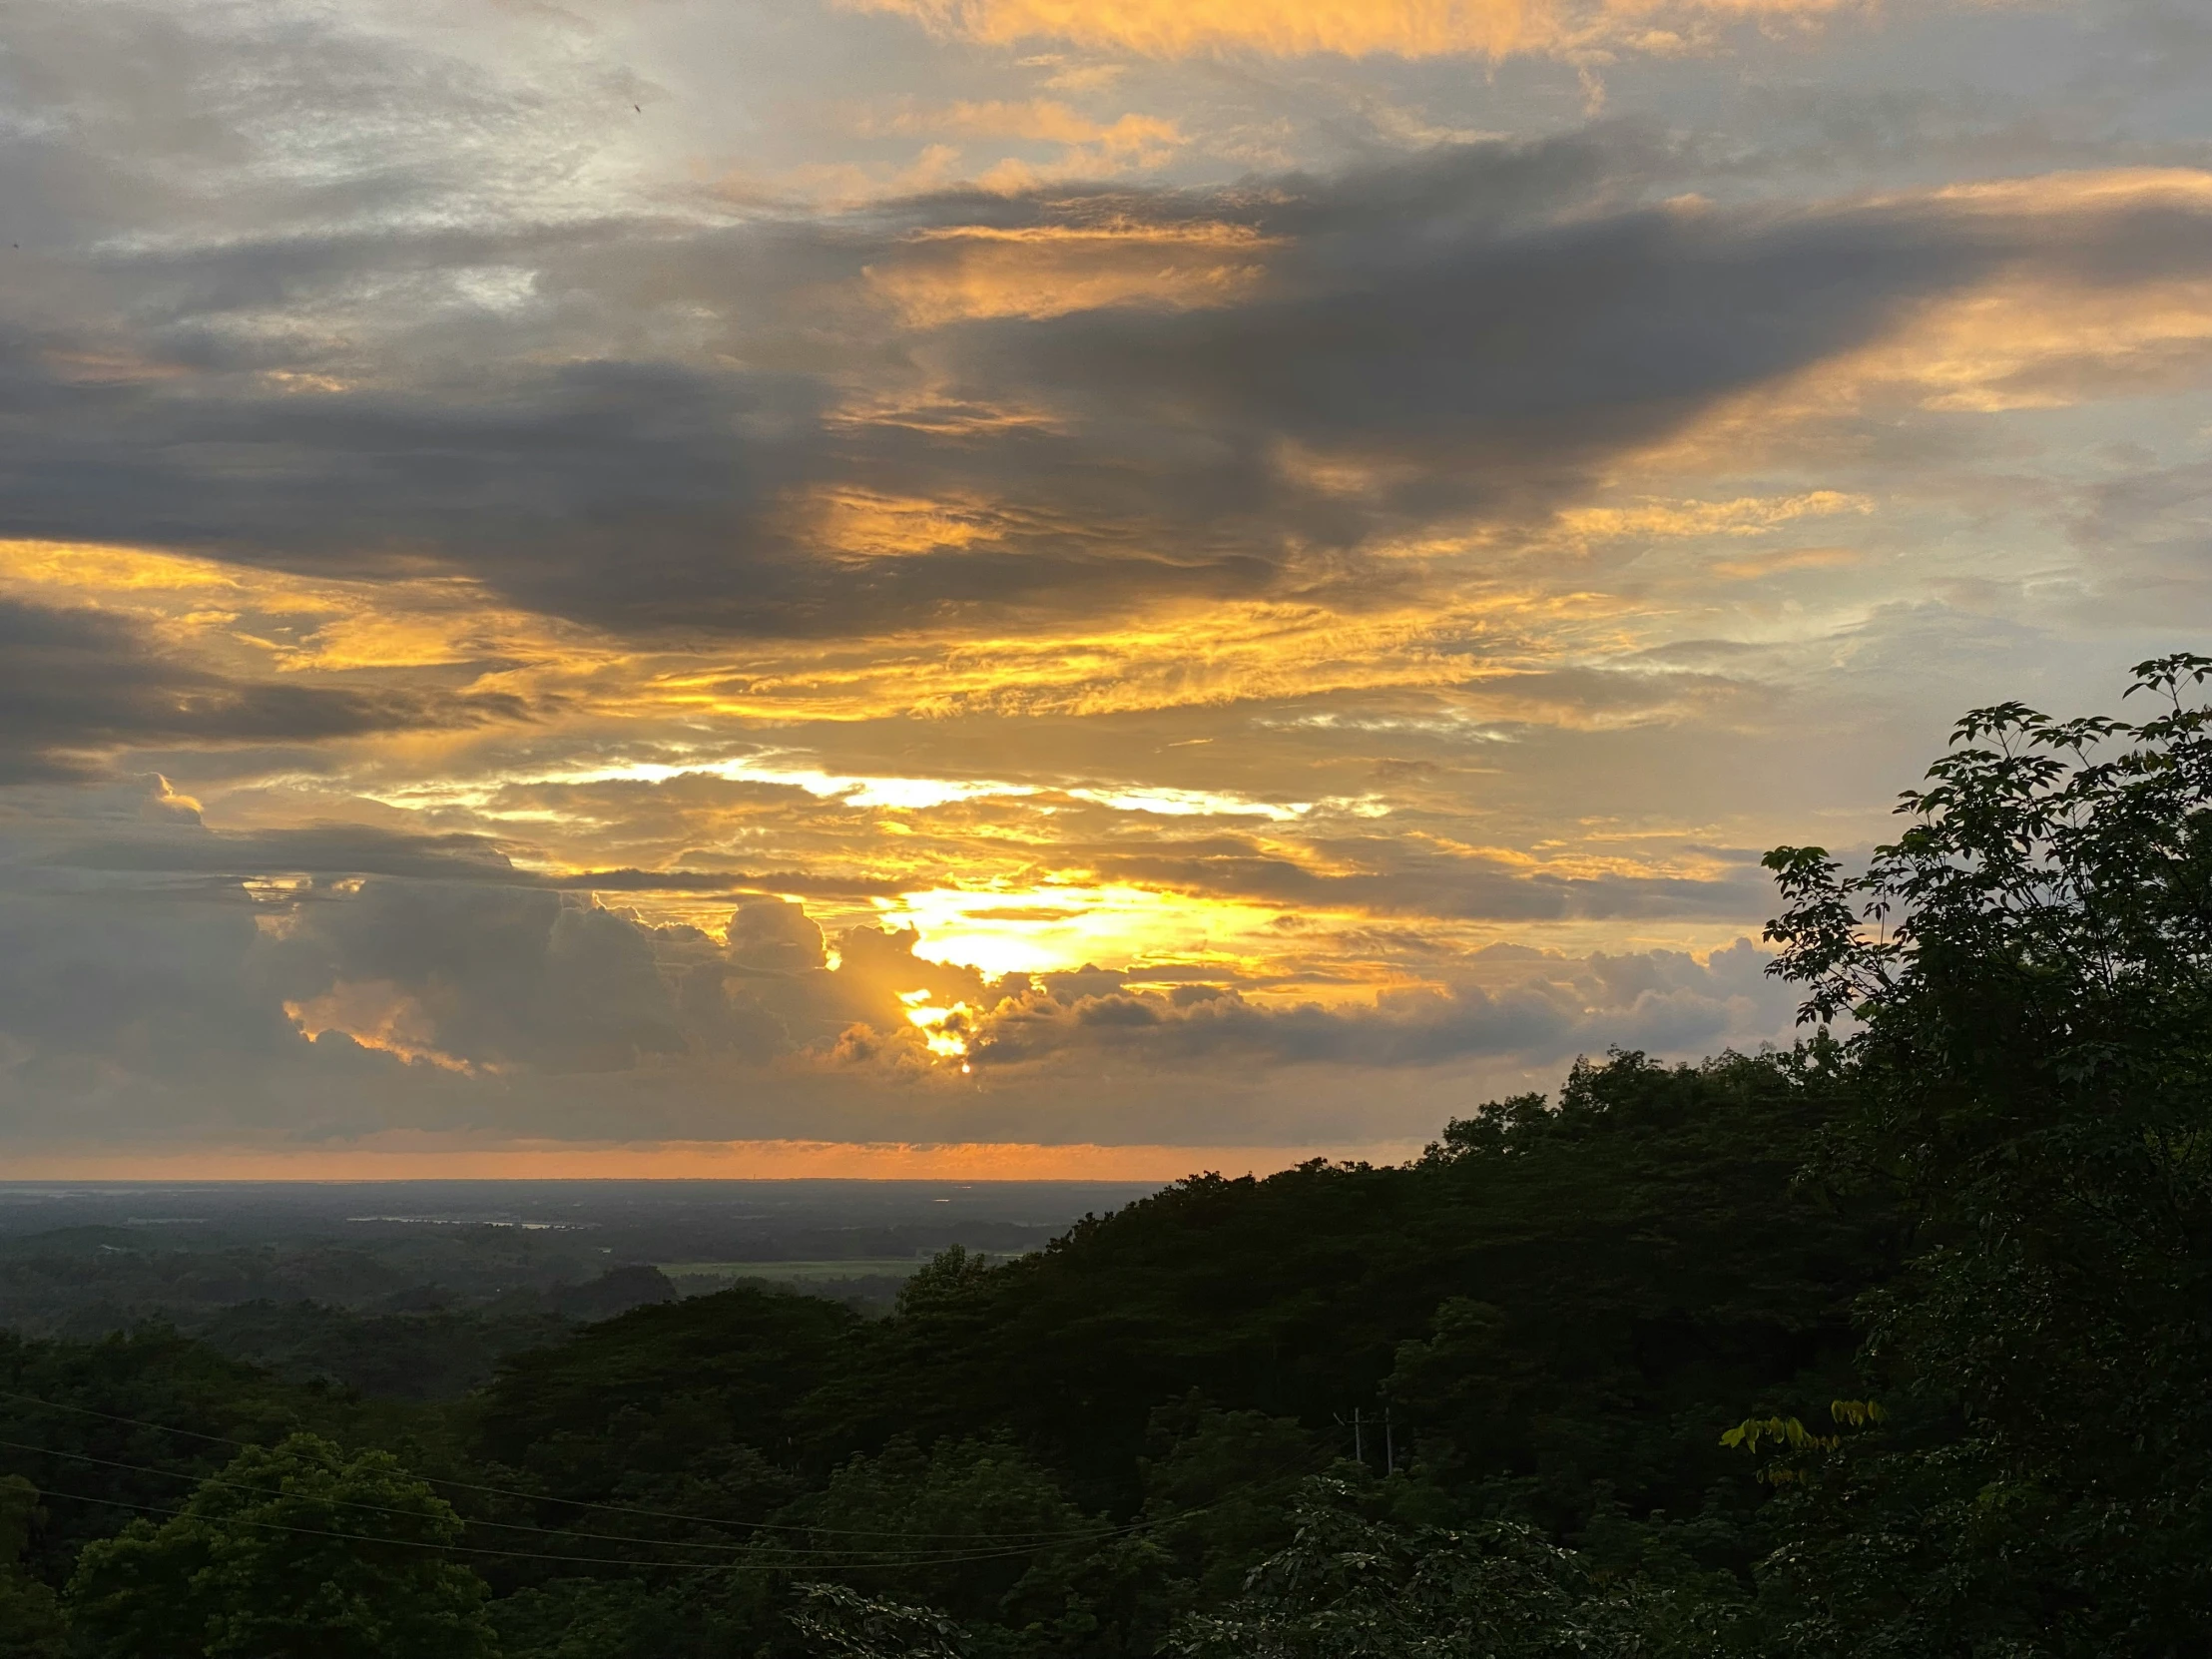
x=91 y=989
x=607 y=484
x=491 y=976
x=1660 y=1001
x=350 y=850
x=1490 y=366
x=437 y=955
x=633 y=434
x=77 y=682
x=1465 y=888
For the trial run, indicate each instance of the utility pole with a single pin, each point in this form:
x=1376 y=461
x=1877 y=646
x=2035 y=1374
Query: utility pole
x=1389 y=1444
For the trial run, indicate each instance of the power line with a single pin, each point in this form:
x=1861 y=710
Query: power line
x=530 y=1555
x=586 y=1503
x=1039 y=1539
x=135 y=1422
x=915 y=1556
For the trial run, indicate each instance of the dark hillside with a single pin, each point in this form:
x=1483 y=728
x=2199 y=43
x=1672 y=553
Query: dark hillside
x=1556 y=1301
x=134 y=1419
x=1560 y=1310
x=735 y=1365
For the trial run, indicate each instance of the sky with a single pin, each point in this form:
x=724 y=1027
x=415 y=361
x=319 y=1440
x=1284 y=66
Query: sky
x=1024 y=587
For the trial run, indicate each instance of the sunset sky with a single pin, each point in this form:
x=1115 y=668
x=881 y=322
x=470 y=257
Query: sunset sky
x=1024 y=587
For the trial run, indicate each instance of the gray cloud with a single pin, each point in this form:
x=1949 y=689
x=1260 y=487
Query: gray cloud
x=2148 y=532
x=134 y=942
x=77 y=682
x=356 y=850
x=96 y=986
x=492 y=976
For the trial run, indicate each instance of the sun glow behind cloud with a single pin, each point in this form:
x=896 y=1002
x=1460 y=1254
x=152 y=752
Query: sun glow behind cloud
x=943 y=1030
x=1059 y=929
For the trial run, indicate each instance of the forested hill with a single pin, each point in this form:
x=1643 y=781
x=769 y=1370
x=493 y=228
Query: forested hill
x=1560 y=1309
x=1562 y=1299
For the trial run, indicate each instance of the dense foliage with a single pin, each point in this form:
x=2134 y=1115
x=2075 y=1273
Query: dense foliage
x=31 y=1621
x=1894 y=1343
x=2034 y=1077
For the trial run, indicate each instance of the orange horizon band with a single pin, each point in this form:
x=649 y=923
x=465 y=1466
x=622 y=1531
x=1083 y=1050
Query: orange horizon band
x=686 y=1160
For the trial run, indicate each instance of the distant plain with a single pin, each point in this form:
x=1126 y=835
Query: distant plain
x=421 y=1289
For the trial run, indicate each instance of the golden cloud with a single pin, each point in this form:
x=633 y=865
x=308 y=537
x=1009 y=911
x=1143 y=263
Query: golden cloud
x=966 y=272
x=1658 y=520
x=2041 y=344
x=1350 y=28
x=1041 y=119
x=1776 y=564
x=867 y=524
x=1057 y=928
x=1090 y=149
x=1193 y=657
x=378 y=1014
x=281 y=623
x=2018 y=342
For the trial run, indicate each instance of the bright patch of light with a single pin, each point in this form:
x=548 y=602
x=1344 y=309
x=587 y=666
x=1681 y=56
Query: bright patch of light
x=1192 y=804
x=943 y=1030
x=906 y=793
x=852 y=789
x=1054 y=929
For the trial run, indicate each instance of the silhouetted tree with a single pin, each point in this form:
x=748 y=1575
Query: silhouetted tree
x=2030 y=970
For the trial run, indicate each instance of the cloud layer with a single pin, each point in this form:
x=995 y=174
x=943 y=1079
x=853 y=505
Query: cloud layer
x=1003 y=571
x=170 y=1010
x=874 y=421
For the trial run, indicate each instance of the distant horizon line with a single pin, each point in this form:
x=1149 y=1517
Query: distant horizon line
x=427 y=1158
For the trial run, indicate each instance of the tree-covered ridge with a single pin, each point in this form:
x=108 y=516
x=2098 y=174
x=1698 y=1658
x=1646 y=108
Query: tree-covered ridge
x=1892 y=1344
x=1556 y=1307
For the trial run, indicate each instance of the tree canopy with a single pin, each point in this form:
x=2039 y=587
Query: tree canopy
x=294 y=1551
x=2030 y=969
